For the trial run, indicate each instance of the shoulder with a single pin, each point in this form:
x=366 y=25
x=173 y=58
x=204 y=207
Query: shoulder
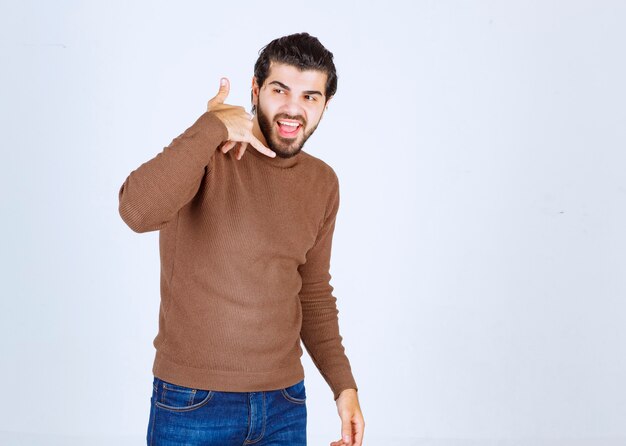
x=320 y=170
x=324 y=181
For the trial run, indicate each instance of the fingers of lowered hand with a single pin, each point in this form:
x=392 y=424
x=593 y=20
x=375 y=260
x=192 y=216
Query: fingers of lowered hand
x=346 y=431
x=352 y=426
x=357 y=426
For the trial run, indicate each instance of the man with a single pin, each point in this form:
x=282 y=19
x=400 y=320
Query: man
x=245 y=245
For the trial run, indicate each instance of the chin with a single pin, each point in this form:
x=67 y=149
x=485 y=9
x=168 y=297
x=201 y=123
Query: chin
x=288 y=151
x=289 y=154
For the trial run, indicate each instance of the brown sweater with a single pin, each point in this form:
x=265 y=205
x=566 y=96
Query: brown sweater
x=245 y=251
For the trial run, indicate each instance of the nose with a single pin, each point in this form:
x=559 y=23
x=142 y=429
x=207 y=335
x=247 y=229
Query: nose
x=292 y=107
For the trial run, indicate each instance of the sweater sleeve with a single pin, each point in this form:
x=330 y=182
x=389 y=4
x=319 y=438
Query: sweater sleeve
x=155 y=191
x=320 y=324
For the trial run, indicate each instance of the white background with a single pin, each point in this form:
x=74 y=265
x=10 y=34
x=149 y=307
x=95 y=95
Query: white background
x=479 y=252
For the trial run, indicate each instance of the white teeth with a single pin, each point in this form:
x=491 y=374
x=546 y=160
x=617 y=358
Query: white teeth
x=292 y=124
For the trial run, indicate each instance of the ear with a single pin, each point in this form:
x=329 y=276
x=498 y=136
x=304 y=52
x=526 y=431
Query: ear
x=327 y=102
x=326 y=107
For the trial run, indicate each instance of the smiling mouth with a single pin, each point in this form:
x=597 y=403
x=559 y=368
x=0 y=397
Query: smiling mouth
x=288 y=128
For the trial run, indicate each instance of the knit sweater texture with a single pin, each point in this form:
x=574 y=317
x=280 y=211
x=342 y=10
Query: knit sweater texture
x=245 y=249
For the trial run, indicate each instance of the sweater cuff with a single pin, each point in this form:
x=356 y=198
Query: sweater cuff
x=348 y=383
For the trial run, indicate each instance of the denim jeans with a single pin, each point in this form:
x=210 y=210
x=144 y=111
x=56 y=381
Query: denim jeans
x=192 y=417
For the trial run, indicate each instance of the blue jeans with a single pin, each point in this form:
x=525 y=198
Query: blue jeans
x=192 y=417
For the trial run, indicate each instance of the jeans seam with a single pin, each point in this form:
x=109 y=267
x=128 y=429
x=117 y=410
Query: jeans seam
x=153 y=420
x=186 y=408
x=264 y=424
x=292 y=399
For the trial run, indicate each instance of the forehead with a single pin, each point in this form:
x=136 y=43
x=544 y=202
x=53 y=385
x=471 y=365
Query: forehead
x=296 y=79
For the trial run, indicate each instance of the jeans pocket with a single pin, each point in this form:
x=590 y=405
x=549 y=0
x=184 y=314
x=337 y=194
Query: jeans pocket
x=179 y=398
x=296 y=393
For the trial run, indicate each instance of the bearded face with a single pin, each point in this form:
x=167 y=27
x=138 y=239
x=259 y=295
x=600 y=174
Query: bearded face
x=285 y=134
x=289 y=107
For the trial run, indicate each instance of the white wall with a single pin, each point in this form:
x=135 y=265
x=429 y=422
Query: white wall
x=479 y=252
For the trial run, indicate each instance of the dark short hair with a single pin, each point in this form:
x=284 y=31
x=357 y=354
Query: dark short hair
x=302 y=51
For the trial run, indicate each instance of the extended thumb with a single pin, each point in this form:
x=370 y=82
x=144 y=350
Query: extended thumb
x=224 y=88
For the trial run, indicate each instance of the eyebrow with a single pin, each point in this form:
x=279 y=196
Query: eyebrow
x=284 y=87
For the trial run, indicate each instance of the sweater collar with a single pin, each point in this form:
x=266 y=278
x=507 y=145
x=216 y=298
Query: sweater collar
x=277 y=161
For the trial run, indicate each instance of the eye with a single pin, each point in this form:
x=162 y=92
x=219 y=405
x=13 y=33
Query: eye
x=309 y=97
x=278 y=90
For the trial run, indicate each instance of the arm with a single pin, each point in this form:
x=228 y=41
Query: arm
x=154 y=192
x=320 y=328
x=320 y=325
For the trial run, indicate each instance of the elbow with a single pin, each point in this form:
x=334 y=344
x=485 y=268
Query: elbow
x=136 y=220
x=132 y=219
x=135 y=217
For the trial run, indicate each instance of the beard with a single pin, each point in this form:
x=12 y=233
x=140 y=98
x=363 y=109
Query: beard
x=284 y=147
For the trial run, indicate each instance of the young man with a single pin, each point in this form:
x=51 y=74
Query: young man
x=245 y=245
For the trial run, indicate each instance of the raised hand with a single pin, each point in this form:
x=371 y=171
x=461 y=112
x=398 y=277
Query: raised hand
x=237 y=121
